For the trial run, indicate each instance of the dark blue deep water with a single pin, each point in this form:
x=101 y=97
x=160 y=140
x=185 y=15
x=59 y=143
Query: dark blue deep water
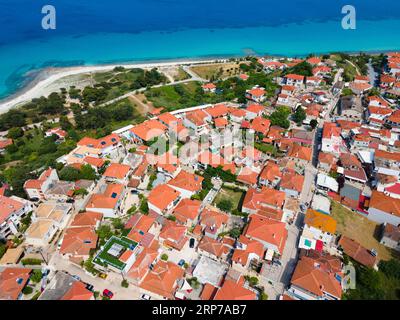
x=102 y=31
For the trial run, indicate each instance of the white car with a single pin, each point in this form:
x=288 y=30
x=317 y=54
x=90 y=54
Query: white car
x=145 y=297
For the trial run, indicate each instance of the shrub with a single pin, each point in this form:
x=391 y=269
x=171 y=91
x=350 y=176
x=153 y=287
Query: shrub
x=27 y=290
x=31 y=262
x=124 y=284
x=164 y=257
x=36 y=276
x=225 y=205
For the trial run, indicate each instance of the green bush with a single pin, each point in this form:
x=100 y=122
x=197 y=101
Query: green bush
x=36 y=275
x=164 y=257
x=31 y=262
x=124 y=284
x=27 y=290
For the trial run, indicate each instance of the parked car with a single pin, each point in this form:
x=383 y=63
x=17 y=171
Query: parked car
x=181 y=262
x=191 y=242
x=103 y=275
x=90 y=287
x=145 y=297
x=107 y=293
x=76 y=277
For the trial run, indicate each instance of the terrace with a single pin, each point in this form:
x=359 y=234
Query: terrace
x=113 y=252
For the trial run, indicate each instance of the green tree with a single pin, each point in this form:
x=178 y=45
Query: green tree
x=36 y=276
x=299 y=116
x=27 y=290
x=280 y=117
x=124 y=284
x=225 y=205
x=69 y=173
x=313 y=123
x=164 y=257
x=235 y=233
x=15 y=133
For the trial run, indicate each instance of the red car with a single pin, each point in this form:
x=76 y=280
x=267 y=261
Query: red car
x=107 y=293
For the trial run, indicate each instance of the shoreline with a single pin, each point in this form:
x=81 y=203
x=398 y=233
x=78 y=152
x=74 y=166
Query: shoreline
x=45 y=77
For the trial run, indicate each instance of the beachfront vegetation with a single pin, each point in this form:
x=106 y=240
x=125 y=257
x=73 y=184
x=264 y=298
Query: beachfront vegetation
x=217 y=71
x=191 y=94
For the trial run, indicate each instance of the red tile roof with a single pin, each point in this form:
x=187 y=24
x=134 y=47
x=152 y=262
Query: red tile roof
x=12 y=281
x=267 y=230
x=162 y=279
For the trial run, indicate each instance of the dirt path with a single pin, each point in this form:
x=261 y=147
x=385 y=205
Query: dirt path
x=143 y=108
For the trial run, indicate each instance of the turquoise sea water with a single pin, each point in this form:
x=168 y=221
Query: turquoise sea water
x=123 y=36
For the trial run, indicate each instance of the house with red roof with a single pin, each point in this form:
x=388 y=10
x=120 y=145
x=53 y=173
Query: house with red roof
x=213 y=222
x=248 y=176
x=78 y=291
x=317 y=278
x=294 y=80
x=117 y=172
x=256 y=94
x=270 y=175
x=209 y=87
x=12 y=210
x=173 y=235
x=237 y=115
x=299 y=154
x=214 y=249
x=260 y=125
x=95 y=163
x=147 y=131
x=271 y=233
x=168 y=119
x=221 y=123
x=143 y=229
x=266 y=199
x=254 y=110
x=332 y=141
x=247 y=252
x=217 y=111
x=188 y=184
x=12 y=282
x=187 y=212
x=78 y=242
x=4 y=143
x=314 y=61
x=36 y=188
x=163 y=198
x=140 y=267
x=291 y=183
x=161 y=282
x=196 y=120
x=107 y=201
x=105 y=145
x=384 y=209
x=234 y=290
x=58 y=132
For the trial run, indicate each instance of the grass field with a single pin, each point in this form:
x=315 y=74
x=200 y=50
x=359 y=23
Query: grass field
x=180 y=96
x=231 y=195
x=359 y=228
x=217 y=70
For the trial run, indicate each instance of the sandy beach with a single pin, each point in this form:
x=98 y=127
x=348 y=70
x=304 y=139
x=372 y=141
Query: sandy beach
x=52 y=79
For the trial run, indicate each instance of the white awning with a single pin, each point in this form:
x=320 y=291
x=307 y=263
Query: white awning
x=269 y=255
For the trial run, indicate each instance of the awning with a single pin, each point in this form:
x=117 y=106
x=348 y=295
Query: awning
x=319 y=245
x=269 y=255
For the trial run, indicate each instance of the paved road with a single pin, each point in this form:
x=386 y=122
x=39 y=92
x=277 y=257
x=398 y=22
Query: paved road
x=113 y=281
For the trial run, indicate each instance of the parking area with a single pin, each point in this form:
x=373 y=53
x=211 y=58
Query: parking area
x=188 y=254
x=131 y=200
